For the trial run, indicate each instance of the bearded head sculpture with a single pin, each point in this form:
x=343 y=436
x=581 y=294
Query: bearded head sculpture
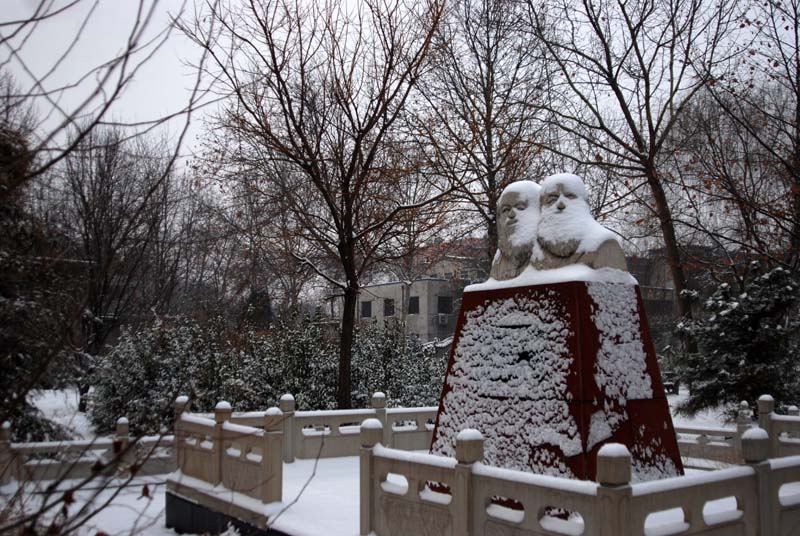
x=517 y=216
x=567 y=231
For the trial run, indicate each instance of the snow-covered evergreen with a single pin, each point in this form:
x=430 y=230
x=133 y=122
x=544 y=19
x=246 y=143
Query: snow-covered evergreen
x=141 y=376
x=747 y=344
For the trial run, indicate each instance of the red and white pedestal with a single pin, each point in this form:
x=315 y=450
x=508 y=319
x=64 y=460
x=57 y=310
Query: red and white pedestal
x=549 y=373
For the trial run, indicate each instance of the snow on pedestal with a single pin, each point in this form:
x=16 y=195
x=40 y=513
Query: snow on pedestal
x=549 y=373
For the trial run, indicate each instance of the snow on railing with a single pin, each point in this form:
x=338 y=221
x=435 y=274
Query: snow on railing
x=219 y=452
x=51 y=460
x=761 y=497
x=334 y=433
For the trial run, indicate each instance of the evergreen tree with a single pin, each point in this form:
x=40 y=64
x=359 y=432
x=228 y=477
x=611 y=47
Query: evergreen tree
x=386 y=360
x=141 y=376
x=747 y=344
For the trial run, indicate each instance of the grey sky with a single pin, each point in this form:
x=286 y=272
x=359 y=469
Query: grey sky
x=159 y=88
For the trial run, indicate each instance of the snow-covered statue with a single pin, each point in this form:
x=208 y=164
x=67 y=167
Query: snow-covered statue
x=567 y=231
x=517 y=217
x=552 y=357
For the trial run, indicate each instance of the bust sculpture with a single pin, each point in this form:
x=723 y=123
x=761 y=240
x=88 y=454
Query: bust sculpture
x=517 y=216
x=567 y=233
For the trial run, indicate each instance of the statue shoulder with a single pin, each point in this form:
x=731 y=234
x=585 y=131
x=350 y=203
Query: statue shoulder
x=609 y=255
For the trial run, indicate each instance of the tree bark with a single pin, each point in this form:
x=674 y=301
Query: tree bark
x=344 y=384
x=670 y=243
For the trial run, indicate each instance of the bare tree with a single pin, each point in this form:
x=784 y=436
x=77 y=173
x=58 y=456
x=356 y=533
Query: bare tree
x=59 y=127
x=118 y=206
x=319 y=88
x=763 y=97
x=42 y=123
x=728 y=193
x=482 y=117
x=626 y=72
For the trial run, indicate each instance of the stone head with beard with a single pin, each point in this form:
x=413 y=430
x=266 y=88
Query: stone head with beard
x=517 y=214
x=567 y=231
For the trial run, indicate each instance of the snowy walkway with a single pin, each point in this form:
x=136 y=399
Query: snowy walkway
x=328 y=505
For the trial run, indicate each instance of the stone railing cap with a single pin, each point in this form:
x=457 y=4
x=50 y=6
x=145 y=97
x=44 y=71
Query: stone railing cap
x=223 y=406
x=614 y=450
x=469 y=434
x=766 y=398
x=286 y=397
x=122 y=420
x=755 y=433
x=273 y=411
x=371 y=424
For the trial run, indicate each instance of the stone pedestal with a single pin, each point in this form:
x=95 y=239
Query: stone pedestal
x=549 y=373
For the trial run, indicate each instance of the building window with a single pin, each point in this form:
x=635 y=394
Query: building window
x=388 y=307
x=444 y=305
x=366 y=309
x=413 y=305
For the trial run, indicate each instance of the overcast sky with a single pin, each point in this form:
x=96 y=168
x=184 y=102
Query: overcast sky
x=159 y=88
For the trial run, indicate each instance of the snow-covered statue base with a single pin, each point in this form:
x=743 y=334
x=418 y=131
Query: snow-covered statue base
x=552 y=364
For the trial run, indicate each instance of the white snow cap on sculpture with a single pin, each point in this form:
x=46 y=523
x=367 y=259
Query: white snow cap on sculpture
x=223 y=406
x=517 y=217
x=528 y=217
x=469 y=434
x=273 y=412
x=378 y=394
x=183 y=399
x=287 y=397
x=122 y=420
x=575 y=220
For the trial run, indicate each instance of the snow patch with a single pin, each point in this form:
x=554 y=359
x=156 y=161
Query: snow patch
x=574 y=272
x=469 y=434
x=510 y=373
x=614 y=450
x=755 y=433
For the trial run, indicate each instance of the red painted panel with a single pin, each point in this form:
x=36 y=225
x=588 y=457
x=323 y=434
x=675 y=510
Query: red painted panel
x=549 y=373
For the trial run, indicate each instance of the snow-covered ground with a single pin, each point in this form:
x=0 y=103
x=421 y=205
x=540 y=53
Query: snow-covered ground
x=327 y=505
x=320 y=498
x=61 y=407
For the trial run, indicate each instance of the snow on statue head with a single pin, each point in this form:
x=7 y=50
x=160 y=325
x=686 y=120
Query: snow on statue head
x=517 y=216
x=567 y=231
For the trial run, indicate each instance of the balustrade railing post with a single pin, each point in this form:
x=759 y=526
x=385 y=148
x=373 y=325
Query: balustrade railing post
x=181 y=406
x=793 y=411
x=469 y=450
x=370 y=435
x=287 y=406
x=766 y=407
x=8 y=459
x=378 y=402
x=222 y=413
x=614 y=492
x=744 y=420
x=755 y=450
x=272 y=456
x=121 y=435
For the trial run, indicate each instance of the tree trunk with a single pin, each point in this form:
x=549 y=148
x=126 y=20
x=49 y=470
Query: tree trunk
x=794 y=248
x=670 y=244
x=344 y=387
x=491 y=242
